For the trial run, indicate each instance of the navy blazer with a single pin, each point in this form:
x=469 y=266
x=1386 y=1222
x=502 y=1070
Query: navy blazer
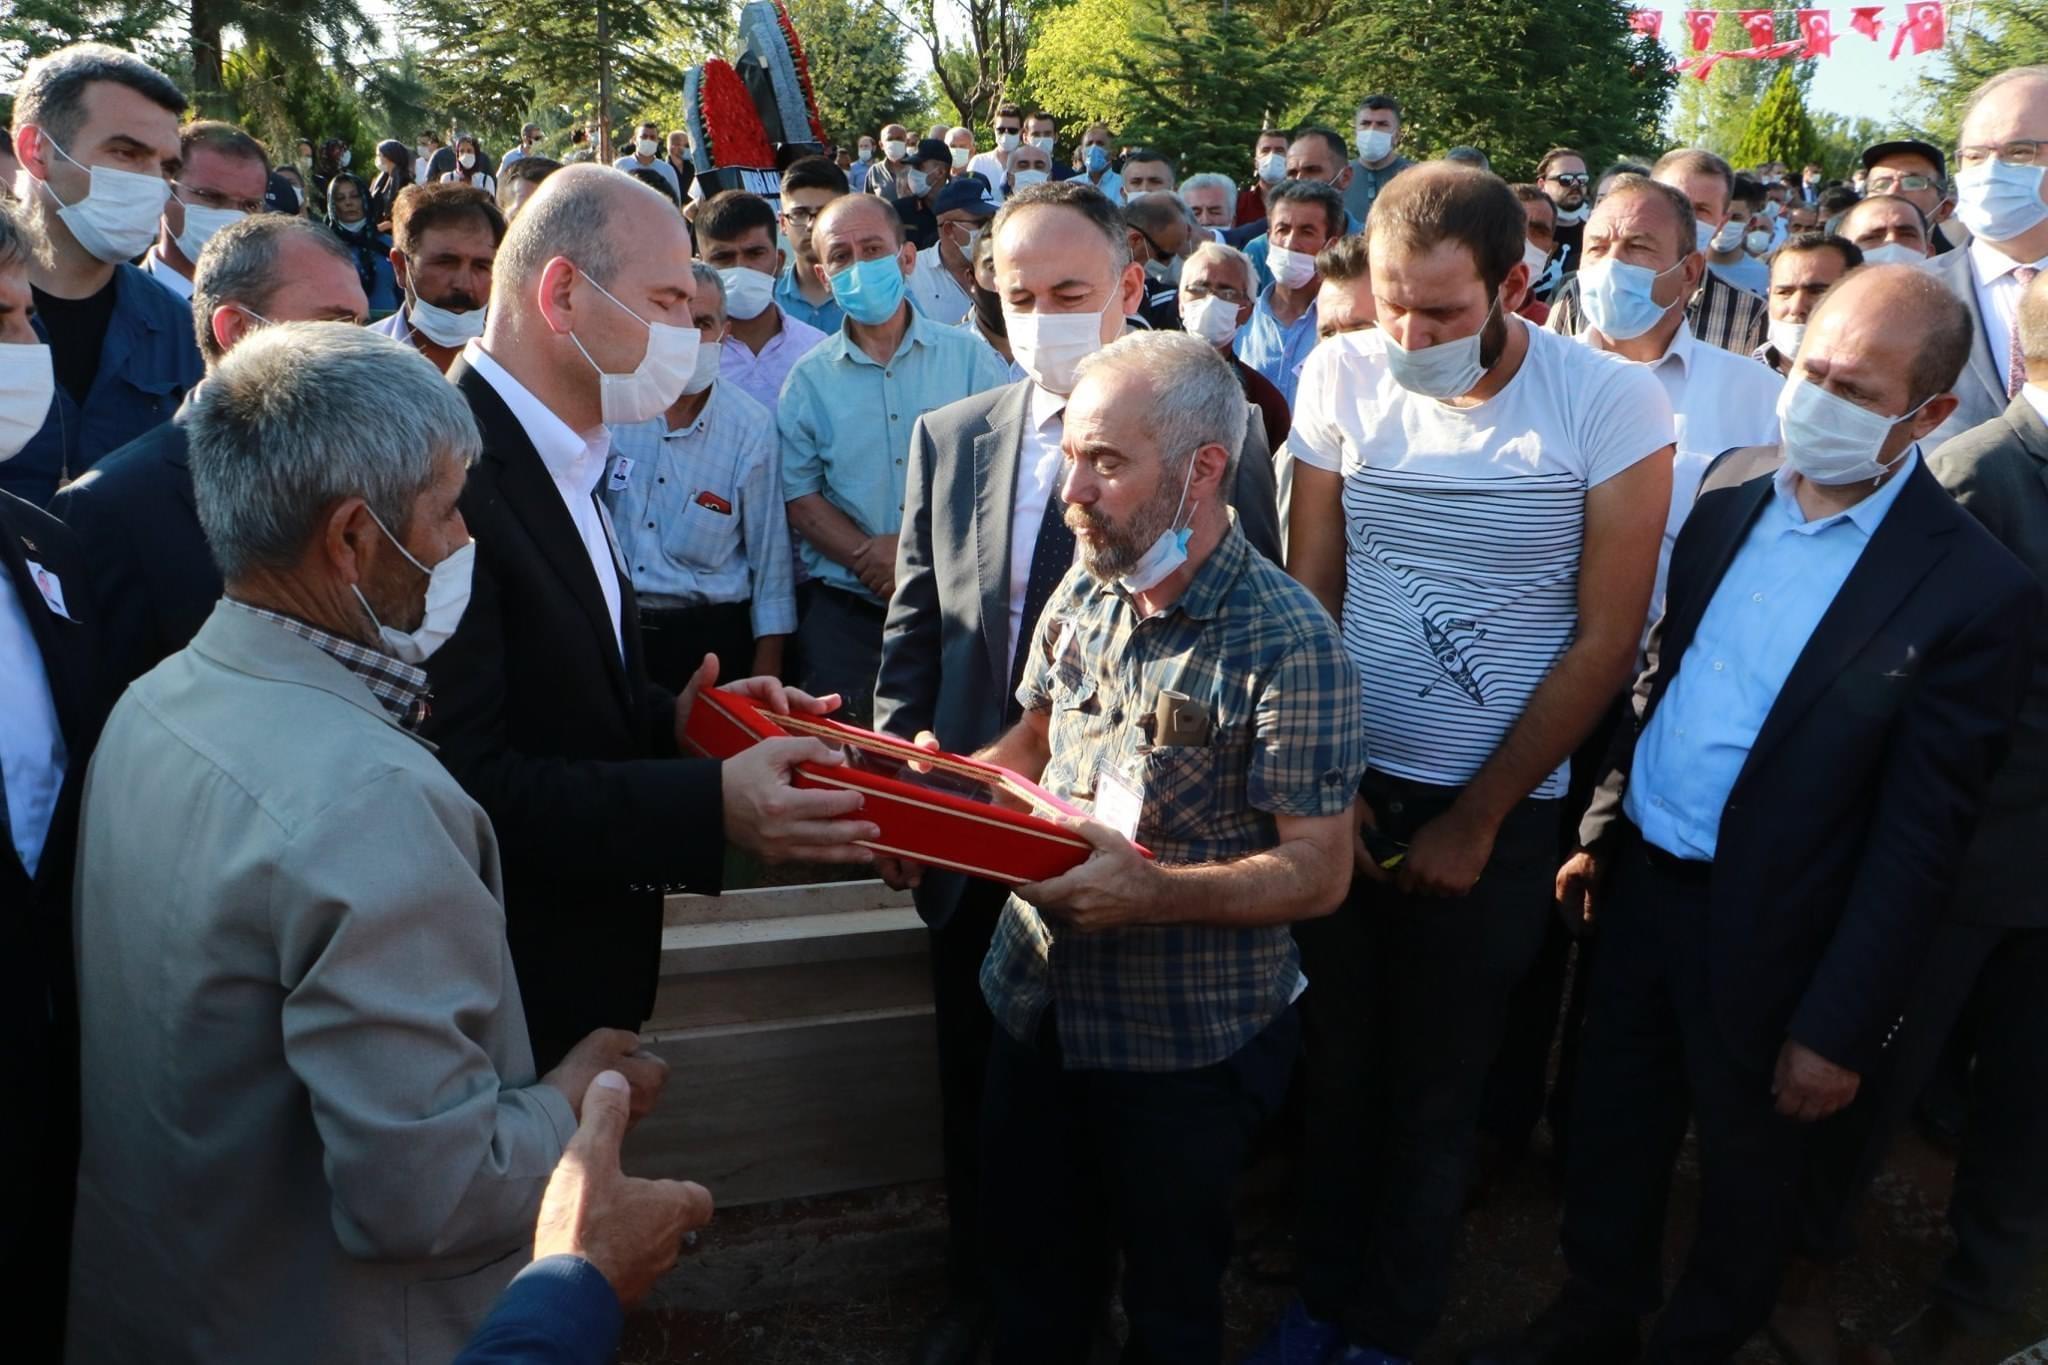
x=1844 y=832
x=557 y=1311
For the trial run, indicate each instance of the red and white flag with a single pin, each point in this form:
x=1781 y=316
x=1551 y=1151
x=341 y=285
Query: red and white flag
x=1925 y=25
x=1818 y=31
x=1763 y=28
x=1648 y=22
x=1865 y=21
x=1701 y=22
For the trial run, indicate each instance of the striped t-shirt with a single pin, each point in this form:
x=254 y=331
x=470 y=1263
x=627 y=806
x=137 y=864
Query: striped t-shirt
x=1463 y=528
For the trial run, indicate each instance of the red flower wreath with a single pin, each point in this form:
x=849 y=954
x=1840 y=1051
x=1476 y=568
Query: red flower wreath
x=803 y=72
x=737 y=137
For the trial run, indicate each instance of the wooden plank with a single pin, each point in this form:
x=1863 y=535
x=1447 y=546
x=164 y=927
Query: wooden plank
x=732 y=945
x=802 y=990
x=757 y=1112
x=822 y=898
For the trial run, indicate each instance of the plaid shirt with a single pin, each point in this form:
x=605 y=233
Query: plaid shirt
x=1257 y=651
x=1721 y=314
x=401 y=688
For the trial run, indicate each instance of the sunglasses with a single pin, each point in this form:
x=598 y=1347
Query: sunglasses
x=1579 y=178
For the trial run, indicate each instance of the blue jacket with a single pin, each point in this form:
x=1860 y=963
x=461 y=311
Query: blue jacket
x=557 y=1311
x=147 y=362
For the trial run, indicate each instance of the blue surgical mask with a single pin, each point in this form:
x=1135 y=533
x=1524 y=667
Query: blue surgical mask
x=1096 y=157
x=1999 y=201
x=1618 y=297
x=1169 y=551
x=869 y=292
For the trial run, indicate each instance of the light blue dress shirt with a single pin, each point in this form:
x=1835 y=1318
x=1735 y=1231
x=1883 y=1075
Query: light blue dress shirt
x=1256 y=249
x=846 y=424
x=1276 y=349
x=825 y=316
x=1780 y=584
x=699 y=514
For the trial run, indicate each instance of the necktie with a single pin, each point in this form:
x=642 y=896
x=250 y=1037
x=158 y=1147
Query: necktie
x=2016 y=365
x=1051 y=557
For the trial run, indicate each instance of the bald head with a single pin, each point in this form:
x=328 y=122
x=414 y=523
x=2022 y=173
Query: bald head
x=1857 y=321
x=857 y=212
x=598 y=217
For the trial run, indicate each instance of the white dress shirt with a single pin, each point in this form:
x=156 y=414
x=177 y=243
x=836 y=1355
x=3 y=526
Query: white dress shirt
x=1038 y=479
x=574 y=461
x=32 y=753
x=1998 y=299
x=157 y=268
x=989 y=166
x=936 y=292
x=2037 y=398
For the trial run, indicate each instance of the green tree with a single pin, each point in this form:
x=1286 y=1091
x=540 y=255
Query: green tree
x=1200 y=78
x=1999 y=35
x=1840 y=140
x=856 y=56
x=1075 y=53
x=281 y=101
x=1780 y=129
x=976 y=49
x=29 y=28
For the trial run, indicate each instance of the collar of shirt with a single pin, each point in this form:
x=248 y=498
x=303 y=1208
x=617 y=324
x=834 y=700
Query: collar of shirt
x=697 y=424
x=570 y=458
x=1203 y=597
x=1866 y=515
x=1992 y=265
x=399 y=687
x=1046 y=407
x=1263 y=305
x=2037 y=399
x=166 y=274
x=916 y=334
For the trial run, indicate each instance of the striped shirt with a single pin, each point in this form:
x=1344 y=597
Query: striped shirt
x=1721 y=314
x=1258 y=654
x=1463 y=531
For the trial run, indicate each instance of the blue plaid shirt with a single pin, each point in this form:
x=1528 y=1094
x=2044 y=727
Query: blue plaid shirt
x=1258 y=652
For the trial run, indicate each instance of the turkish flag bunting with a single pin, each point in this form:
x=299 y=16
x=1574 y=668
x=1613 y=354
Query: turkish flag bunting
x=1924 y=24
x=1763 y=29
x=1703 y=67
x=1701 y=22
x=1649 y=22
x=1818 y=32
x=1865 y=21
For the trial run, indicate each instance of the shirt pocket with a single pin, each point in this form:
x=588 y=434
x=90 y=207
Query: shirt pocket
x=1188 y=787
x=705 y=538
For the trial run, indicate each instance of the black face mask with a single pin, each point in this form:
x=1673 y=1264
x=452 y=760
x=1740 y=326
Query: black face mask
x=988 y=310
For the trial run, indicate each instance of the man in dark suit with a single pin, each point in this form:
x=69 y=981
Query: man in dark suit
x=51 y=706
x=152 y=580
x=982 y=546
x=1842 y=654
x=542 y=704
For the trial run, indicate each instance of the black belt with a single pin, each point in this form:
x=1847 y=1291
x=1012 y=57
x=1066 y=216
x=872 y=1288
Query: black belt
x=1690 y=870
x=854 y=602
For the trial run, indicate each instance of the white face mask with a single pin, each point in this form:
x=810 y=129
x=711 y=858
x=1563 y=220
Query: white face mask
x=748 y=292
x=706 y=373
x=1292 y=268
x=1729 y=237
x=1050 y=345
x=1536 y=258
x=1374 y=144
x=961 y=156
x=448 y=585
x=1008 y=142
x=895 y=150
x=1449 y=369
x=657 y=381
x=117 y=219
x=1212 y=319
x=1273 y=167
x=1022 y=179
x=1574 y=217
x=200 y=225
x=1785 y=336
x=466 y=160
x=647 y=147
x=920 y=183
x=28 y=382
x=1044 y=144
x=1830 y=440
x=346 y=157
x=866 y=153
x=1168 y=552
x=444 y=326
x=1893 y=253
x=1756 y=243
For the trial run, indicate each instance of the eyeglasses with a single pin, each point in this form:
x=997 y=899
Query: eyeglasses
x=1229 y=293
x=802 y=218
x=2019 y=152
x=1882 y=182
x=214 y=199
x=1579 y=178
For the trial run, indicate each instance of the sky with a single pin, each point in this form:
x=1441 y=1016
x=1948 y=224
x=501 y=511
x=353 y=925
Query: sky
x=1858 y=79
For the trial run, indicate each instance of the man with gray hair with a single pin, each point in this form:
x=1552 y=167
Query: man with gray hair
x=1144 y=1001
x=152 y=579
x=1210 y=198
x=312 y=1129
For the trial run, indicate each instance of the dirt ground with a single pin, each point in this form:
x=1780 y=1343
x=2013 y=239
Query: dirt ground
x=1508 y=1268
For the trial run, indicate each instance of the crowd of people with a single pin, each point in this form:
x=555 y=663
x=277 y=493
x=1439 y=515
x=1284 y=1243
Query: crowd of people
x=1425 y=582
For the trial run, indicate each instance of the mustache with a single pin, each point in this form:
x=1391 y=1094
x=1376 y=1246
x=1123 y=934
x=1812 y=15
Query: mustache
x=1080 y=518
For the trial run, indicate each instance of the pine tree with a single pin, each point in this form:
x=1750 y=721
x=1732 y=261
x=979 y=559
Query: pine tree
x=1202 y=75
x=1780 y=130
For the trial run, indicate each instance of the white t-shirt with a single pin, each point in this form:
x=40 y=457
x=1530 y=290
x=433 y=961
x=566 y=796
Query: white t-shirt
x=1463 y=529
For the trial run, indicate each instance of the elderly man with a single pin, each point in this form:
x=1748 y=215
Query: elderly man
x=885 y=178
x=1917 y=172
x=89 y=119
x=1640 y=268
x=543 y=707
x=1479 y=502
x=1209 y=199
x=1799 y=775
x=1376 y=131
x=981 y=492
x=942 y=283
x=1242 y=796
x=329 y=1049
x=1802 y=272
x=222 y=175
x=1216 y=300
x=150 y=575
x=1029 y=165
x=1157 y=226
x=1889 y=229
x=1304 y=217
x=846 y=417
x=444 y=238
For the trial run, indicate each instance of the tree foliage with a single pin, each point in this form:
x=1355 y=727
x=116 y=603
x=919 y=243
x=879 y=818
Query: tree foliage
x=976 y=49
x=856 y=56
x=1999 y=35
x=1780 y=129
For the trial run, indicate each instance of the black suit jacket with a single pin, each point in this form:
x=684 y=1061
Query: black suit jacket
x=38 y=1013
x=1842 y=836
x=568 y=748
x=152 y=576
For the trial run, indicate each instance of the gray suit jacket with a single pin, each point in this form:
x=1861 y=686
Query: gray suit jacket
x=301 y=1035
x=1999 y=473
x=946 y=646
x=1980 y=389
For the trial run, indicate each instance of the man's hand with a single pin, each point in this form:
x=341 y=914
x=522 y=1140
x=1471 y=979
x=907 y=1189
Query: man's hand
x=1809 y=1087
x=874 y=563
x=766 y=813
x=1446 y=855
x=766 y=691
x=901 y=874
x=1114 y=887
x=1579 y=883
x=631 y=1230
x=1362 y=861
x=617 y=1051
